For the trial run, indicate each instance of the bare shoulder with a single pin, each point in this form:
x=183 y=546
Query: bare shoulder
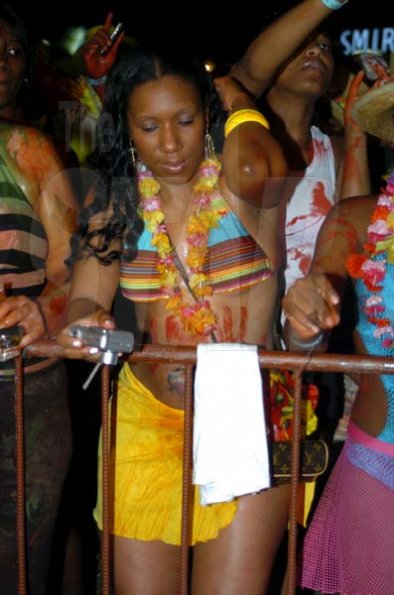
x=356 y=207
x=32 y=150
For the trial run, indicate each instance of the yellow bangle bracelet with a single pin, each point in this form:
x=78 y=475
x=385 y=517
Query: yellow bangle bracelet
x=244 y=115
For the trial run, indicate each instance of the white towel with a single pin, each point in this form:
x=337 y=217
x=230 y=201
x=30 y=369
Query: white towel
x=230 y=451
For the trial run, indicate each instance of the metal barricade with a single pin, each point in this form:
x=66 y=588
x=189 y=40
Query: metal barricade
x=297 y=362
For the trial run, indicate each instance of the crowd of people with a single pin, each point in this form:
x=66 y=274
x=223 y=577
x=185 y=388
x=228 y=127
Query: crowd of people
x=37 y=220
x=203 y=242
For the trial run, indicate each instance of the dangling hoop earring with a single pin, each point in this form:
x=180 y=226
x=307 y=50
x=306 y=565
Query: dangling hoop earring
x=209 y=147
x=137 y=164
x=133 y=155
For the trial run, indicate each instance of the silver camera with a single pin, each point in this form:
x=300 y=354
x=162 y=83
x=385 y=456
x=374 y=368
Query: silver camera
x=9 y=342
x=109 y=342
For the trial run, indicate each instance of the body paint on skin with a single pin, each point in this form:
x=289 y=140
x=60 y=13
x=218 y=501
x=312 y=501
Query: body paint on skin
x=176 y=382
x=228 y=324
x=172 y=329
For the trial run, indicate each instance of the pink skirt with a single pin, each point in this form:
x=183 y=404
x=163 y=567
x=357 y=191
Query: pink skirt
x=349 y=545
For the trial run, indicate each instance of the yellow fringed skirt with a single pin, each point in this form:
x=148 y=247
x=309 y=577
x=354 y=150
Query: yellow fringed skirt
x=146 y=471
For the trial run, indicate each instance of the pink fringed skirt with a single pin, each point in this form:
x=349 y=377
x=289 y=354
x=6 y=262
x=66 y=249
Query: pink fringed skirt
x=349 y=547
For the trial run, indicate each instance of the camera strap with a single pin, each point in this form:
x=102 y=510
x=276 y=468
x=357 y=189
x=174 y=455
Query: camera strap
x=184 y=275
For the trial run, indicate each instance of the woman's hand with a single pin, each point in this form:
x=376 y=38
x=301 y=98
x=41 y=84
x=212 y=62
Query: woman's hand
x=382 y=75
x=311 y=306
x=75 y=348
x=232 y=94
x=98 y=64
x=20 y=310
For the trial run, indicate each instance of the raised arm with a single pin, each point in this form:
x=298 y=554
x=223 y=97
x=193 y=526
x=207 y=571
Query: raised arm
x=353 y=176
x=276 y=43
x=97 y=56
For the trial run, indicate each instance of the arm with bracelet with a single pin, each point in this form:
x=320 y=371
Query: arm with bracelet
x=249 y=145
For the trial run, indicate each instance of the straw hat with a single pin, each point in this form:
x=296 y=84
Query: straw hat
x=374 y=112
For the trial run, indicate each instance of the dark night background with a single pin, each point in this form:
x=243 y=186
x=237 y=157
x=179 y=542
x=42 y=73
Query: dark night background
x=211 y=30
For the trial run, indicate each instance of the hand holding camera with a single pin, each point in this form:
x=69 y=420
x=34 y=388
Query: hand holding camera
x=110 y=343
x=23 y=314
x=10 y=339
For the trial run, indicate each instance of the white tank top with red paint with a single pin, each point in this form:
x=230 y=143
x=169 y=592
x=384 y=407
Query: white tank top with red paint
x=310 y=202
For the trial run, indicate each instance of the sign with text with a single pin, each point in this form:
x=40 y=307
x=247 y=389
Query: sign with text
x=377 y=39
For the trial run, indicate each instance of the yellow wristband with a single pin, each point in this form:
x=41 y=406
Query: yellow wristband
x=244 y=115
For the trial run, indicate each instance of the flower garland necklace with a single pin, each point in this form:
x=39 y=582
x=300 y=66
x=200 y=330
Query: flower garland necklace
x=198 y=318
x=372 y=270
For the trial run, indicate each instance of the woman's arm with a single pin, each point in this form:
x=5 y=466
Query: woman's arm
x=48 y=190
x=92 y=293
x=93 y=288
x=311 y=305
x=276 y=43
x=57 y=210
x=98 y=55
x=353 y=176
x=253 y=163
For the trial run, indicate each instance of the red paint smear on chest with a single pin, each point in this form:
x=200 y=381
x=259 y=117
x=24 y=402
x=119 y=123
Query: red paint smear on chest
x=228 y=335
x=172 y=328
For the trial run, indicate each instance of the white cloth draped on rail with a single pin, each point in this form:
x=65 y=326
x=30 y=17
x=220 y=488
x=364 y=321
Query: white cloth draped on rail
x=230 y=450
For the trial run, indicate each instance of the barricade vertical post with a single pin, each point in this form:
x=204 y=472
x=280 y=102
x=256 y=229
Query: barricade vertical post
x=20 y=477
x=105 y=574
x=186 y=483
x=295 y=458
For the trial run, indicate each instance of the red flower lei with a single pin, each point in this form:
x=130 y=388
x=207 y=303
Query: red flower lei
x=371 y=266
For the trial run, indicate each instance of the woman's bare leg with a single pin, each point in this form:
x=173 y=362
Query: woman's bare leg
x=145 y=567
x=239 y=561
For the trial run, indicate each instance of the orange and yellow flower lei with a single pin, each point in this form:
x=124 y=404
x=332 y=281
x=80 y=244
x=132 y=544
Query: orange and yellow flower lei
x=197 y=318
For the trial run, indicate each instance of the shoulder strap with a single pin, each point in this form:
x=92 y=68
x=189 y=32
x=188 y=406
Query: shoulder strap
x=184 y=275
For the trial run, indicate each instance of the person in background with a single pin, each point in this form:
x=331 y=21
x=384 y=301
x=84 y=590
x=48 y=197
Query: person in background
x=37 y=220
x=349 y=542
x=74 y=87
x=291 y=66
x=291 y=62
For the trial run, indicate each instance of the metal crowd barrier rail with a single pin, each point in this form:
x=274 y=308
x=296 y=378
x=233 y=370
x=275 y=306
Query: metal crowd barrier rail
x=298 y=362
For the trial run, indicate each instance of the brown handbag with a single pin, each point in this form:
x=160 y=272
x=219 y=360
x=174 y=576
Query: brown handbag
x=314 y=457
